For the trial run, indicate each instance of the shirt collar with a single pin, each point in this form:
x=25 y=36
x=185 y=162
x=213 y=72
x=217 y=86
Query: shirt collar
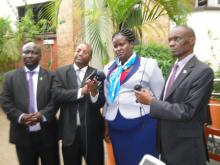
x=184 y=60
x=81 y=70
x=36 y=70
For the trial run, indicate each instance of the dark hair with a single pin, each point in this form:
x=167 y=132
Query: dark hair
x=127 y=33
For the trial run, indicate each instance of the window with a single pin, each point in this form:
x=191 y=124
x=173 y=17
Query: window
x=202 y=3
x=36 y=9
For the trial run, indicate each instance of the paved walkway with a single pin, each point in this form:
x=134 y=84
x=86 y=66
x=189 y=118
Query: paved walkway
x=7 y=150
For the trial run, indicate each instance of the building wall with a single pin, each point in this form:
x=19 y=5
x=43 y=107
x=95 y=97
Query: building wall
x=206 y=48
x=69 y=32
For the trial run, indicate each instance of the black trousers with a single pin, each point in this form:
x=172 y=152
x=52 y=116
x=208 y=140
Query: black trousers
x=37 y=151
x=91 y=150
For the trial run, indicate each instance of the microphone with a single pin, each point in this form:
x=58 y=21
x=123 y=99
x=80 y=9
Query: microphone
x=91 y=76
x=138 y=87
x=98 y=75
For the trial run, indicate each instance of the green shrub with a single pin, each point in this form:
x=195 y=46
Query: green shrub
x=159 y=52
x=216 y=87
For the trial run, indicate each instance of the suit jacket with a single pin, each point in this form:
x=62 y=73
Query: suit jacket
x=146 y=72
x=183 y=114
x=15 y=102
x=65 y=93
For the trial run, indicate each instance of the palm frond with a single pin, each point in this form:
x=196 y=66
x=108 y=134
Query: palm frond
x=50 y=11
x=98 y=30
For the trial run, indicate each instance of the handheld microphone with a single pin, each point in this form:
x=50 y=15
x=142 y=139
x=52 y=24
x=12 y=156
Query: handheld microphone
x=99 y=76
x=138 y=87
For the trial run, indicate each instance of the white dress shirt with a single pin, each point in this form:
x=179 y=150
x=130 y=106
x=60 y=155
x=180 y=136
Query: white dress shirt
x=37 y=126
x=81 y=76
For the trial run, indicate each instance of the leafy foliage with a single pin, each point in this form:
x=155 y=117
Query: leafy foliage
x=111 y=15
x=8 y=45
x=11 y=41
x=159 y=52
x=216 y=86
x=49 y=13
x=27 y=27
x=107 y=16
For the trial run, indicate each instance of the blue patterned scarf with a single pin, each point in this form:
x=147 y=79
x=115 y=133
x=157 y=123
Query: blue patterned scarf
x=114 y=78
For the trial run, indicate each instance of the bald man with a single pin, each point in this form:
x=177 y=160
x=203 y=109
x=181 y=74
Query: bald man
x=183 y=108
x=26 y=100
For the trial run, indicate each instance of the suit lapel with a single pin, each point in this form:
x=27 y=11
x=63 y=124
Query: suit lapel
x=23 y=80
x=134 y=68
x=22 y=85
x=88 y=72
x=40 y=82
x=182 y=75
x=71 y=77
x=110 y=69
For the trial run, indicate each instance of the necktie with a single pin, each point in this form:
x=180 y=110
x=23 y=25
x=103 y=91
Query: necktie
x=31 y=92
x=171 y=79
x=79 y=82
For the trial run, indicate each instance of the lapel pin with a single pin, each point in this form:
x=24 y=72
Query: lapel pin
x=41 y=78
x=184 y=71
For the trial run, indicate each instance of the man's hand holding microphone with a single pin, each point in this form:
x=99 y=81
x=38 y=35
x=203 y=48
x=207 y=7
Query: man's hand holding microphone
x=143 y=96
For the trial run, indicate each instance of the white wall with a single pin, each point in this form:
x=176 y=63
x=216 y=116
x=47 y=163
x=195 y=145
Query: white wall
x=213 y=3
x=6 y=11
x=202 y=22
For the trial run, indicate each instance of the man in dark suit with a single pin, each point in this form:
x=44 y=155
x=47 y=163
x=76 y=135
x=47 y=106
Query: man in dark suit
x=27 y=101
x=184 y=108
x=80 y=123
